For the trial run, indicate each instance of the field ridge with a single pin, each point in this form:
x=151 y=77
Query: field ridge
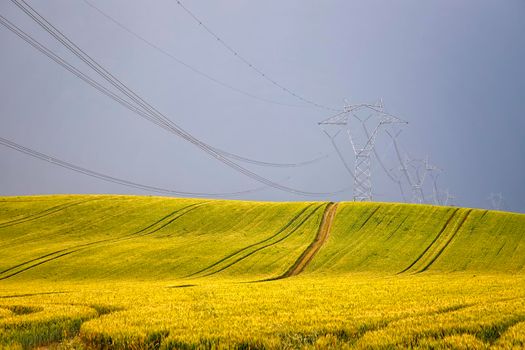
x=158 y=237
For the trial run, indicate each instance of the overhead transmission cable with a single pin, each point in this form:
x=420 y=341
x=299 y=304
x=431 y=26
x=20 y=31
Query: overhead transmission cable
x=181 y=62
x=254 y=161
x=334 y=144
x=30 y=40
x=402 y=163
x=339 y=153
x=268 y=164
x=37 y=45
x=251 y=65
x=158 y=117
x=35 y=154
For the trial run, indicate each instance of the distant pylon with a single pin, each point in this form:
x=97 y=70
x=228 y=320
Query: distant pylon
x=450 y=199
x=496 y=201
x=362 y=143
x=421 y=169
x=436 y=193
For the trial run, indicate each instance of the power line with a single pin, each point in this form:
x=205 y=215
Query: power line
x=143 y=106
x=112 y=179
x=181 y=62
x=60 y=61
x=267 y=164
x=251 y=65
x=339 y=153
x=105 y=74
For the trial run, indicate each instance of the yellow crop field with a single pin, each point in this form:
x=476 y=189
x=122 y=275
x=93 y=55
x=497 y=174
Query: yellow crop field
x=353 y=311
x=124 y=272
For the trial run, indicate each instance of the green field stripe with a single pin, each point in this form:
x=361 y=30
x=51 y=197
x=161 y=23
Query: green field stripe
x=21 y=239
x=28 y=217
x=446 y=244
x=82 y=245
x=38 y=264
x=231 y=255
x=32 y=260
x=443 y=228
x=357 y=231
x=44 y=213
x=163 y=224
x=162 y=219
x=70 y=250
x=306 y=218
x=401 y=223
x=369 y=217
x=443 y=241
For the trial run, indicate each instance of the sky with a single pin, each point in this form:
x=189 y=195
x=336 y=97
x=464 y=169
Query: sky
x=452 y=69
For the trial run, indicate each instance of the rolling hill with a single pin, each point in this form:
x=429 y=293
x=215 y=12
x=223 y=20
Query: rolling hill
x=77 y=237
x=130 y=272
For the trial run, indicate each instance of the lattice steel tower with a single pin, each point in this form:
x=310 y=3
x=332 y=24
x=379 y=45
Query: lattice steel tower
x=362 y=122
x=496 y=201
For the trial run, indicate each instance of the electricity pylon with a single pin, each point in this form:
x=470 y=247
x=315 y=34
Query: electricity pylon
x=436 y=193
x=496 y=201
x=420 y=170
x=362 y=122
x=416 y=172
x=450 y=199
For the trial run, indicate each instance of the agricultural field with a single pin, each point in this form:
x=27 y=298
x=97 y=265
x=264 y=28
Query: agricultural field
x=97 y=271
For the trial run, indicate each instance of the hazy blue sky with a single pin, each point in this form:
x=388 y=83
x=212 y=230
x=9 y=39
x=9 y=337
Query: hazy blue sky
x=453 y=69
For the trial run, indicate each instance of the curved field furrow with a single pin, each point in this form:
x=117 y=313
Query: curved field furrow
x=396 y=238
x=447 y=242
x=74 y=227
x=150 y=229
x=250 y=253
x=44 y=213
x=432 y=244
x=231 y=255
x=442 y=241
x=119 y=228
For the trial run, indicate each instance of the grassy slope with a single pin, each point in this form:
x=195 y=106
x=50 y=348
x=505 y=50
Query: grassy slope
x=114 y=243
x=151 y=237
x=67 y=237
x=391 y=238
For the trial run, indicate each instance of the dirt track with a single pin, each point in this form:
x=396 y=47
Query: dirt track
x=313 y=248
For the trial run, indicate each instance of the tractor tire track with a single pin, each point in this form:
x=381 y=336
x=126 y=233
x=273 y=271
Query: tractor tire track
x=67 y=251
x=397 y=228
x=322 y=236
x=282 y=229
x=463 y=220
x=447 y=223
x=369 y=217
x=299 y=225
x=44 y=213
x=359 y=238
x=21 y=239
x=82 y=247
x=189 y=208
